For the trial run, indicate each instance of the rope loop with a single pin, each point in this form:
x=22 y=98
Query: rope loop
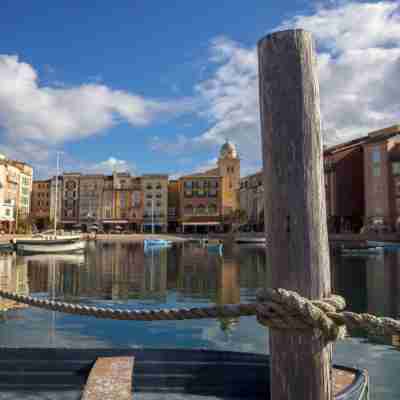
x=285 y=309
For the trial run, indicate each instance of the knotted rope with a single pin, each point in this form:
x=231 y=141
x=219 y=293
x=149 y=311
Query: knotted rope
x=276 y=308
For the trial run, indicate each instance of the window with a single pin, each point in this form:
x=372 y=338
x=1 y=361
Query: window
x=376 y=162
x=158 y=195
x=376 y=170
x=188 y=184
x=149 y=196
x=212 y=193
x=148 y=204
x=376 y=156
x=396 y=168
x=398 y=187
x=158 y=186
x=149 y=187
x=188 y=193
x=158 y=203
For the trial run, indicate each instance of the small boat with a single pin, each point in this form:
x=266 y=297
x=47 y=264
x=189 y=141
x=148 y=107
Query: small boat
x=60 y=373
x=6 y=247
x=251 y=239
x=157 y=242
x=214 y=245
x=50 y=245
x=384 y=244
x=362 y=250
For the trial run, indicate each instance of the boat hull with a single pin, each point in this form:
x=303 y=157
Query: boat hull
x=184 y=373
x=383 y=244
x=251 y=240
x=49 y=247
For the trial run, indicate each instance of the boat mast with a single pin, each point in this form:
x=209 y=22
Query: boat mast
x=56 y=202
x=152 y=215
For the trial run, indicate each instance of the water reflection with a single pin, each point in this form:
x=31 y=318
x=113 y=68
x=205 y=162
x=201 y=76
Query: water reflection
x=123 y=275
x=370 y=284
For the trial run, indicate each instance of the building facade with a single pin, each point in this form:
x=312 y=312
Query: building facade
x=70 y=199
x=229 y=170
x=173 y=205
x=344 y=186
x=200 y=203
x=41 y=203
x=362 y=183
x=155 y=213
x=251 y=199
x=90 y=198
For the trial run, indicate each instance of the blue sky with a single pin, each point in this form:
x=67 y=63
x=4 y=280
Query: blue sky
x=156 y=86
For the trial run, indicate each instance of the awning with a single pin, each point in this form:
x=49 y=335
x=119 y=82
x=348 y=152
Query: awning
x=115 y=221
x=201 y=223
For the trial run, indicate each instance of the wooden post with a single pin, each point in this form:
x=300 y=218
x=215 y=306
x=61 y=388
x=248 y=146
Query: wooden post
x=294 y=196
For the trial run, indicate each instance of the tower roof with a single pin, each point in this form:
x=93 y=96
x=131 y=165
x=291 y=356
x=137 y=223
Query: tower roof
x=228 y=150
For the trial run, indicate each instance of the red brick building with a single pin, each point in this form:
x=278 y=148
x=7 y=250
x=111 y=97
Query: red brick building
x=362 y=182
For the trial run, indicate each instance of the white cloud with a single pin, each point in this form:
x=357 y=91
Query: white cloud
x=359 y=66
x=110 y=165
x=29 y=111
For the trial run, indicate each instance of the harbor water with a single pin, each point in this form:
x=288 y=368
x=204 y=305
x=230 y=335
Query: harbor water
x=125 y=275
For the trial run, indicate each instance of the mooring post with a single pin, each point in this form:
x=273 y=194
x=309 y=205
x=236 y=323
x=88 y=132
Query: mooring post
x=294 y=196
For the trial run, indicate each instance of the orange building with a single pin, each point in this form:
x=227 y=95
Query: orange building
x=208 y=199
x=200 y=203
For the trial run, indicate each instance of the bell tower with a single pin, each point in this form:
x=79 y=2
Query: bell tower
x=229 y=169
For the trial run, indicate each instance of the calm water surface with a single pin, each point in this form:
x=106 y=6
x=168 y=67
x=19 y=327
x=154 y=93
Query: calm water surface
x=123 y=275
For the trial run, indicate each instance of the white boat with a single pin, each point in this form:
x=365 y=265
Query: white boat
x=251 y=239
x=47 y=243
x=56 y=244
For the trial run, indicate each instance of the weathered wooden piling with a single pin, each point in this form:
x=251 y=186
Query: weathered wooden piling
x=295 y=216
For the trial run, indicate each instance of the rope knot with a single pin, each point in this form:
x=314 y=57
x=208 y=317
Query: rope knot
x=285 y=309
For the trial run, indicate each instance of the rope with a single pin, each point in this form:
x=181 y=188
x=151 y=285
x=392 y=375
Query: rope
x=276 y=308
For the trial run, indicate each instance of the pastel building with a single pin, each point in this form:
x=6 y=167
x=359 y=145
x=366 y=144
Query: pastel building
x=155 y=191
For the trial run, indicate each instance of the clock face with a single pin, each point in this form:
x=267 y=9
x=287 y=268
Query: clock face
x=70 y=185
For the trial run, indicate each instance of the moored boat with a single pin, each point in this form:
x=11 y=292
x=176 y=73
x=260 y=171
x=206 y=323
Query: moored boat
x=383 y=244
x=157 y=373
x=251 y=239
x=157 y=242
x=50 y=244
x=6 y=246
x=362 y=250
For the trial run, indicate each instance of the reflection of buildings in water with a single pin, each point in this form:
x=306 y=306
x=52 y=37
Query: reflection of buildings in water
x=203 y=275
x=156 y=261
x=228 y=289
x=197 y=274
x=369 y=284
x=348 y=279
x=13 y=278
x=254 y=272
x=383 y=285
